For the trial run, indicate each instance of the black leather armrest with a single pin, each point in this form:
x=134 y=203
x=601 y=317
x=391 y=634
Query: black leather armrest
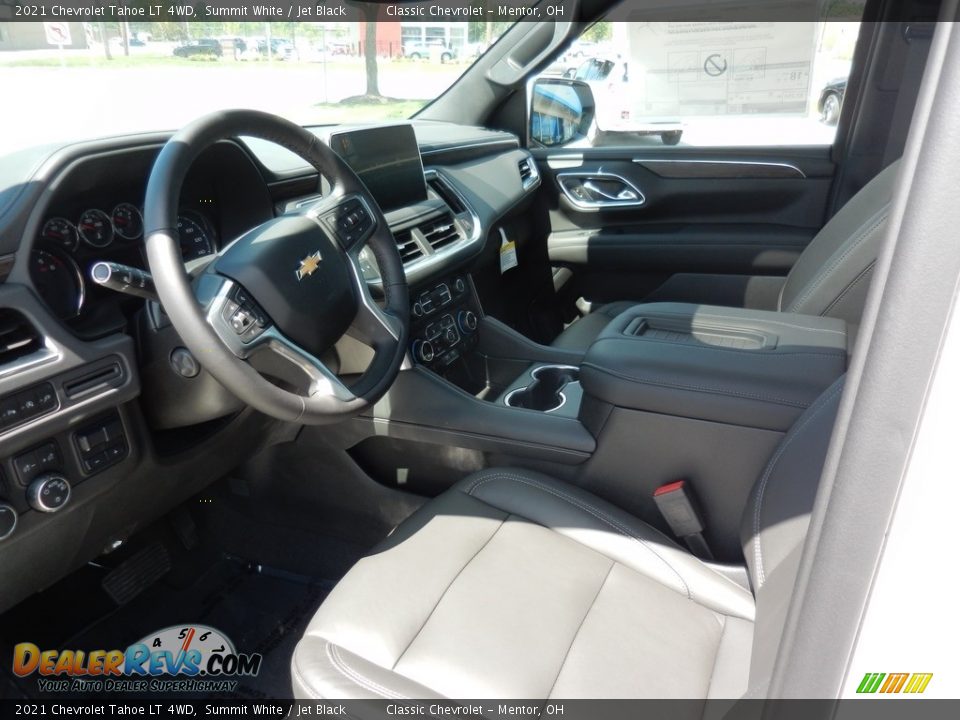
x=745 y=367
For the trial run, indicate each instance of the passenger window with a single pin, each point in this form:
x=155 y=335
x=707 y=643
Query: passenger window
x=700 y=84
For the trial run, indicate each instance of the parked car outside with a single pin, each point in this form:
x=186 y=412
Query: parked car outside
x=429 y=51
x=203 y=46
x=280 y=48
x=831 y=101
x=618 y=100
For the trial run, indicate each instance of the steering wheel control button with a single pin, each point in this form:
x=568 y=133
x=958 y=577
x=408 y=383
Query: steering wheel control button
x=48 y=493
x=241 y=320
x=8 y=520
x=184 y=363
x=101 y=445
x=351 y=222
x=244 y=316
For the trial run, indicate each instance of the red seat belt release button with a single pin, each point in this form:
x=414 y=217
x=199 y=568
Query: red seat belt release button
x=677 y=504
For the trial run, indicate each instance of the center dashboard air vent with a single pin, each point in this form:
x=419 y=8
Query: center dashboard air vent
x=446 y=193
x=18 y=337
x=440 y=232
x=428 y=237
x=407 y=245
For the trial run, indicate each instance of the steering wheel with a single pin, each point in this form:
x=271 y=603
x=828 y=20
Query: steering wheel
x=283 y=293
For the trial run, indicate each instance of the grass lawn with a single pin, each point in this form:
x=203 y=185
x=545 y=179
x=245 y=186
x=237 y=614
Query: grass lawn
x=330 y=113
x=121 y=61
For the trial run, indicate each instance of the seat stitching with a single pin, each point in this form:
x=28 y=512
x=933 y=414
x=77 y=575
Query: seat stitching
x=768 y=471
x=333 y=653
x=697 y=388
x=596 y=512
x=447 y=589
x=821 y=276
x=576 y=633
x=863 y=273
x=295 y=667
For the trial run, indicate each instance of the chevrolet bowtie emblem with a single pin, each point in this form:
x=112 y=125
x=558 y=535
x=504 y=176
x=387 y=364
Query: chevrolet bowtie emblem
x=309 y=265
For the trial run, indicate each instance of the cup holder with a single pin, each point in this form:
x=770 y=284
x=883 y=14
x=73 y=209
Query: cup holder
x=545 y=392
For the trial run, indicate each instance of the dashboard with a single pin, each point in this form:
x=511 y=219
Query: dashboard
x=95 y=213
x=66 y=249
x=101 y=404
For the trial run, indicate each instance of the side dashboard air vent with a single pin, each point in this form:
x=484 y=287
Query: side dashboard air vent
x=18 y=337
x=528 y=173
x=440 y=232
x=446 y=194
x=407 y=245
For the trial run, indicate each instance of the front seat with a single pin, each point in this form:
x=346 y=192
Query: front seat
x=515 y=585
x=831 y=277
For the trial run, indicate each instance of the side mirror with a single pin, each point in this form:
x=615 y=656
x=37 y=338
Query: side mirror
x=561 y=111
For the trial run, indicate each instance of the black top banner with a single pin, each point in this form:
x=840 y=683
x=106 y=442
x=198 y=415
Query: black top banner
x=487 y=709
x=424 y=10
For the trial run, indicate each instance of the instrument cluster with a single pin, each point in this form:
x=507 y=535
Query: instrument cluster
x=67 y=247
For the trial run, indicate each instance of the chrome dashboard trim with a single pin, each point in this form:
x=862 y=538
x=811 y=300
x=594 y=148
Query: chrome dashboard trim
x=727 y=168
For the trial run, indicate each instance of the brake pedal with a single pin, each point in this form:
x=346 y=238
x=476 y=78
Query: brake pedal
x=137 y=573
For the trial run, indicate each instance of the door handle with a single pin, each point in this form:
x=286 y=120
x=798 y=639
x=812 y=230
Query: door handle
x=599 y=191
x=624 y=194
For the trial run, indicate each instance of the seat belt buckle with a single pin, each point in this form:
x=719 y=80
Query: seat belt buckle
x=678 y=506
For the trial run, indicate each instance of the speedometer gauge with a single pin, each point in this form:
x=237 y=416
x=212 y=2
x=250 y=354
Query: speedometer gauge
x=95 y=228
x=195 y=241
x=58 y=281
x=61 y=233
x=127 y=221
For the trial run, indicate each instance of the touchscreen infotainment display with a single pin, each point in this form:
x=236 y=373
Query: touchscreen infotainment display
x=387 y=159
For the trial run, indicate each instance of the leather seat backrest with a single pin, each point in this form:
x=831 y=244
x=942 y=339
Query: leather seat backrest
x=775 y=521
x=832 y=275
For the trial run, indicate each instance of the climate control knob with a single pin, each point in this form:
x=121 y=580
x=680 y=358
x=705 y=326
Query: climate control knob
x=467 y=320
x=8 y=520
x=423 y=351
x=48 y=493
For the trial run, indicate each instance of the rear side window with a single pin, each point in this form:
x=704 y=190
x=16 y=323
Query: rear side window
x=708 y=84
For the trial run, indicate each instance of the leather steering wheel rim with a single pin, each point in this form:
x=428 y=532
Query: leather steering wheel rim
x=187 y=302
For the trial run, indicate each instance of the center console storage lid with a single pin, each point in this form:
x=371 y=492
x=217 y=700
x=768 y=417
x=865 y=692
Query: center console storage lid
x=753 y=368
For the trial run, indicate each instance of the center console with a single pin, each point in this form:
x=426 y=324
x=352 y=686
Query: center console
x=444 y=319
x=666 y=392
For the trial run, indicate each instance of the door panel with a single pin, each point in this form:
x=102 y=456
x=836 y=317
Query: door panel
x=682 y=224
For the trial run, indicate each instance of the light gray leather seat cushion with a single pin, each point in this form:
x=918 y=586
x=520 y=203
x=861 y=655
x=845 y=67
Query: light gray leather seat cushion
x=514 y=585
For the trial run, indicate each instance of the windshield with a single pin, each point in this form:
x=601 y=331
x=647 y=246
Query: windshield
x=115 y=78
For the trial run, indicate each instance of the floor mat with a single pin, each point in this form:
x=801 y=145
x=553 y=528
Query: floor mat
x=261 y=609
